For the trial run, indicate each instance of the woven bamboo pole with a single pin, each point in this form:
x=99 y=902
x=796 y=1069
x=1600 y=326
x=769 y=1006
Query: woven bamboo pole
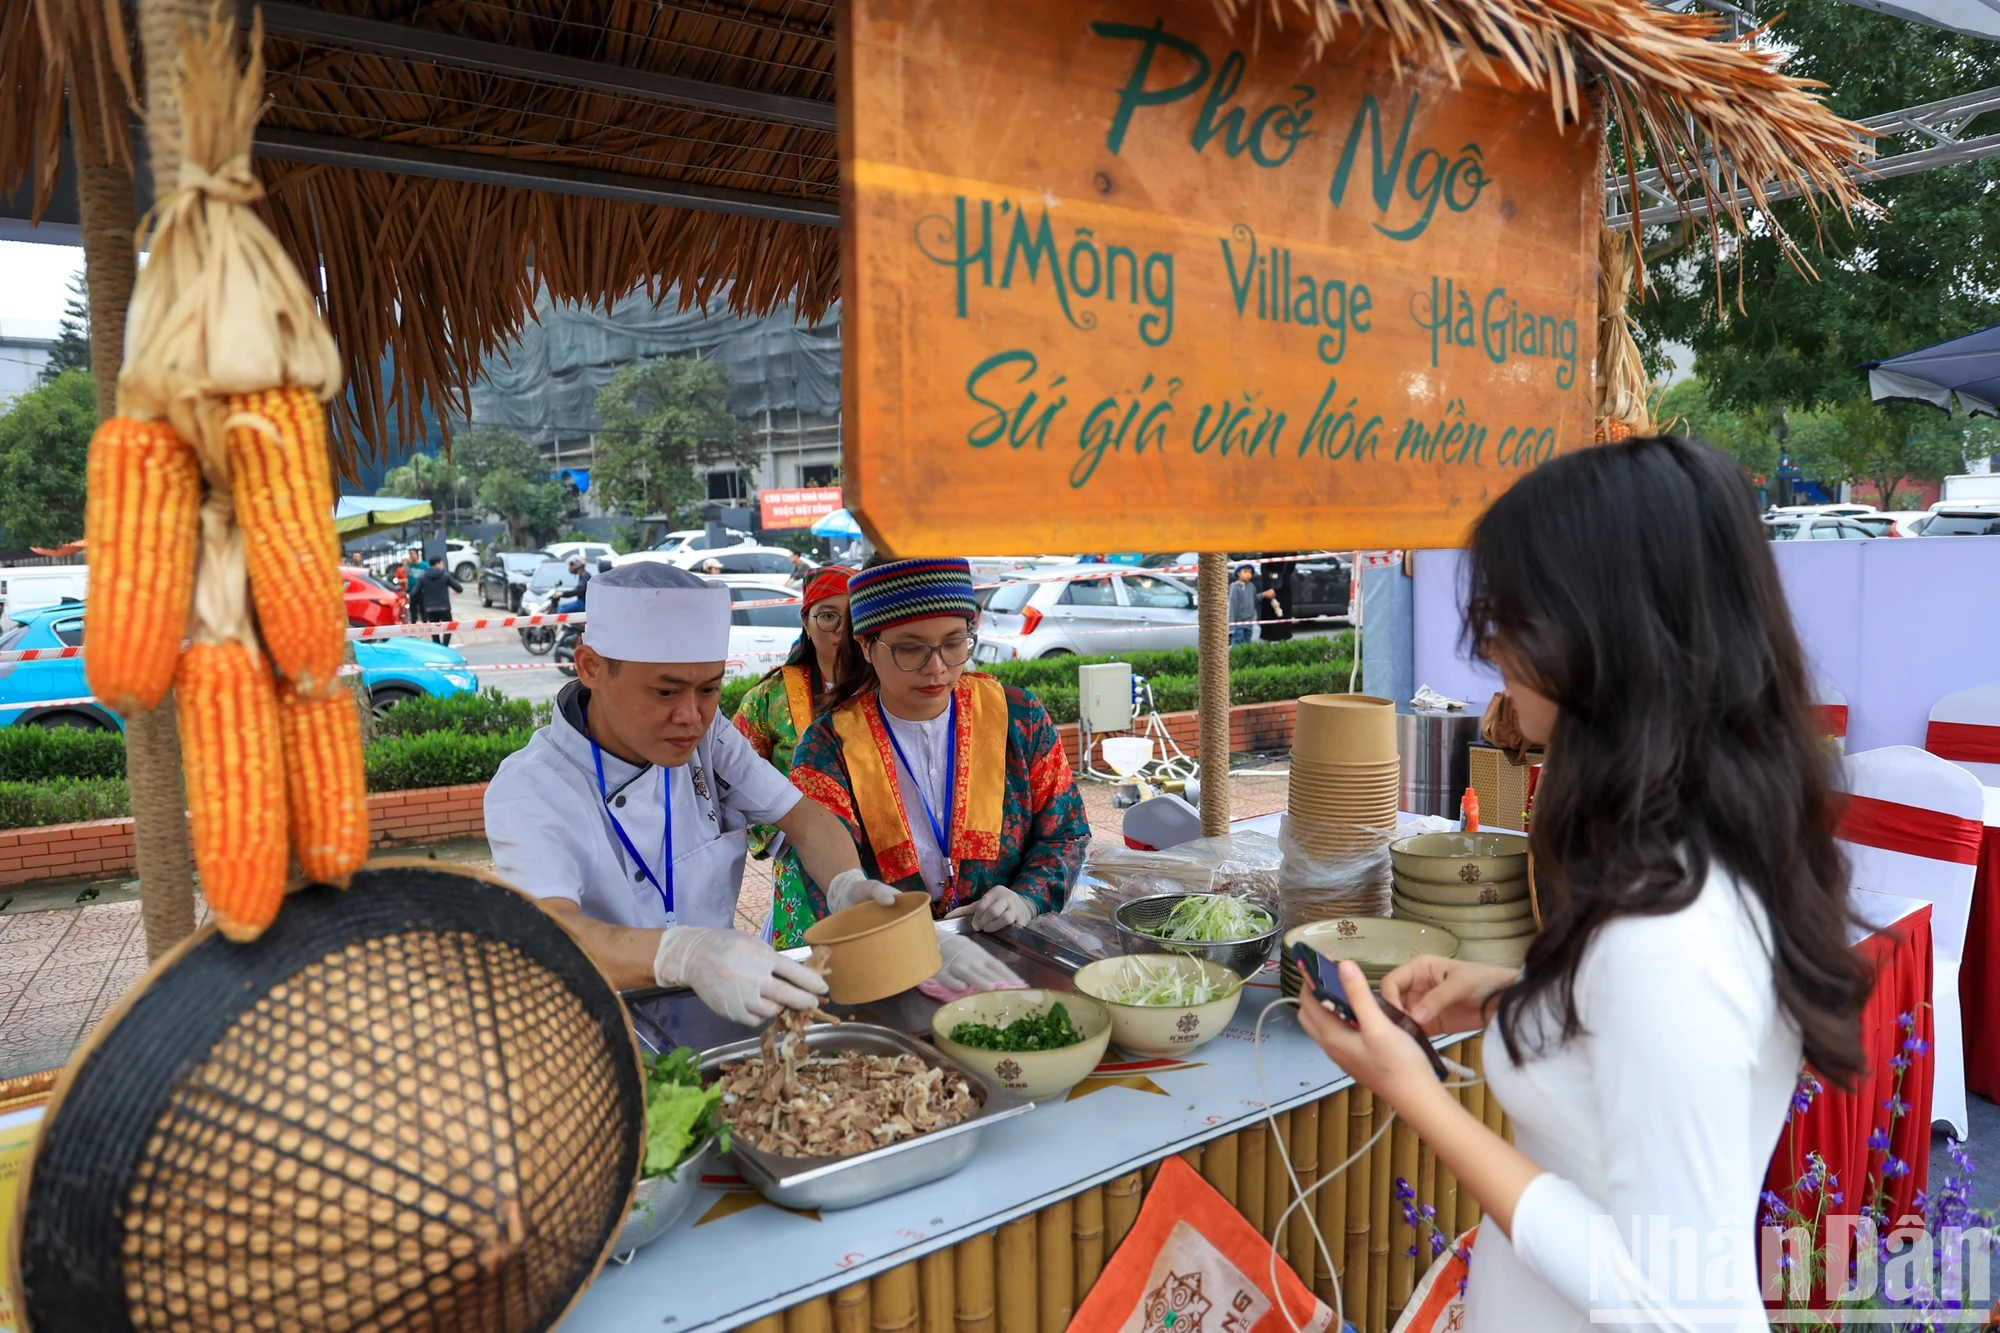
x=1277 y=1189
x=1212 y=615
x=851 y=1309
x=937 y=1291
x=1354 y=1270
x=1403 y=1164
x=770 y=1323
x=1055 y=1266
x=1427 y=1174
x=1331 y=1201
x=1382 y=1185
x=814 y=1316
x=1250 y=1154
x=1014 y=1275
x=892 y=1300
x=1474 y=1099
x=974 y=1284
x=1305 y=1165
x=1218 y=1166
x=1087 y=1234
x=1121 y=1207
x=160 y=849
x=1192 y=1156
x=1447 y=1179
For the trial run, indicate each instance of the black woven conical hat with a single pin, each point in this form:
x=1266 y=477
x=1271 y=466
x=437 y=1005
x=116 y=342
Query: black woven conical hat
x=414 y=1103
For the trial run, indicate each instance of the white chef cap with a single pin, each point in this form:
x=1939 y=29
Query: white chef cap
x=647 y=611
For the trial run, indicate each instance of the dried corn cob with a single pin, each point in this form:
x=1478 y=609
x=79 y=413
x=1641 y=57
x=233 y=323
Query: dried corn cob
x=140 y=524
x=325 y=788
x=228 y=707
x=283 y=490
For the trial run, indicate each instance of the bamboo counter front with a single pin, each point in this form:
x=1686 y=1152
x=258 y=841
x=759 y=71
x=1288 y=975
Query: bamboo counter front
x=1014 y=1241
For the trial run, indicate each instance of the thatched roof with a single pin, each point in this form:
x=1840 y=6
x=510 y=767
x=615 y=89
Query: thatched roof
x=603 y=102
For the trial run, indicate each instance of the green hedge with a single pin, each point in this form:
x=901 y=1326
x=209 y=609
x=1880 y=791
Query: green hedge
x=62 y=801
x=1035 y=673
x=733 y=692
x=484 y=713
x=31 y=754
x=438 y=759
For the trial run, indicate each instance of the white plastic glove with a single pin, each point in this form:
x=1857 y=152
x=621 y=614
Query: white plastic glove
x=969 y=967
x=736 y=975
x=1000 y=907
x=851 y=888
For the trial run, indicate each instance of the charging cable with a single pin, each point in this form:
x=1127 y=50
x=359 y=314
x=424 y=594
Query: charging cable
x=1466 y=1078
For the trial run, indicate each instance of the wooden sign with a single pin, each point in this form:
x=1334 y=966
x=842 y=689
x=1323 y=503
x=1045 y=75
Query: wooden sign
x=1118 y=280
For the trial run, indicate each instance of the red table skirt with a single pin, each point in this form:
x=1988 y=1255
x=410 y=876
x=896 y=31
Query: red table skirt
x=1978 y=986
x=1837 y=1125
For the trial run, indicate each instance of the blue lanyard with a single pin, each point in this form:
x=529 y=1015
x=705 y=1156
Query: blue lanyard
x=664 y=889
x=938 y=830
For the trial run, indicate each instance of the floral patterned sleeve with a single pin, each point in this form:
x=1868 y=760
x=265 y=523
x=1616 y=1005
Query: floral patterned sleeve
x=752 y=717
x=1057 y=831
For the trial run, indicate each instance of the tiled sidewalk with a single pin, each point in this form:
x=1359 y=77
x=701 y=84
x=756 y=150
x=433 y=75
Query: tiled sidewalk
x=62 y=969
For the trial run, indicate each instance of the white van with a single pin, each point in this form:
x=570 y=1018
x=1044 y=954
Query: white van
x=32 y=587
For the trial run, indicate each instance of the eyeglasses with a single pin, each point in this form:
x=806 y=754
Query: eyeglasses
x=915 y=657
x=828 y=618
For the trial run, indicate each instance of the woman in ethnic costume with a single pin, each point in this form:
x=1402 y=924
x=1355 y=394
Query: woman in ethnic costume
x=950 y=782
x=778 y=709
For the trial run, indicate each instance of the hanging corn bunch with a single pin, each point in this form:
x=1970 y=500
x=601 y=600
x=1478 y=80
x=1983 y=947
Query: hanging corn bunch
x=210 y=518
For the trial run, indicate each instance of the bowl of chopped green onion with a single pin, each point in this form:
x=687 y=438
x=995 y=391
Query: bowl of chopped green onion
x=1040 y=1043
x=1224 y=928
x=1162 y=1004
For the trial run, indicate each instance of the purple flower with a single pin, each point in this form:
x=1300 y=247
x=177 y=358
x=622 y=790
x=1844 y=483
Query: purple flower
x=1775 y=1210
x=1894 y=1167
x=1916 y=1045
x=1878 y=1140
x=1802 y=1095
x=1899 y=1063
x=1437 y=1244
x=1403 y=1190
x=1906 y=1021
x=1835 y=1199
x=1896 y=1106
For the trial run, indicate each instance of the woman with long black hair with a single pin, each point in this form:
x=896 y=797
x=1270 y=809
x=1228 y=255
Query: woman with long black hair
x=1694 y=905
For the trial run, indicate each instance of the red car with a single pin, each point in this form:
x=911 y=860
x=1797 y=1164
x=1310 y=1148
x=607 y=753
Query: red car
x=370 y=602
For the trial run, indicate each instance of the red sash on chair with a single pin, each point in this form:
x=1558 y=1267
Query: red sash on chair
x=1832 y=719
x=1911 y=830
x=1964 y=742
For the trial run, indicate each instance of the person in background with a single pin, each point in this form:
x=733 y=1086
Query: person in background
x=801 y=571
x=1242 y=605
x=777 y=711
x=950 y=782
x=1694 y=905
x=579 y=569
x=430 y=596
x=1271 y=609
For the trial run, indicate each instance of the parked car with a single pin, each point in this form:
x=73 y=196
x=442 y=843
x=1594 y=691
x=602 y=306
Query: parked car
x=1883 y=525
x=767 y=561
x=506 y=577
x=695 y=539
x=1086 y=609
x=25 y=588
x=1961 y=520
x=369 y=600
x=1820 y=511
x=1816 y=529
x=590 y=551
x=760 y=637
x=462 y=559
x=392 y=670
x=1316 y=586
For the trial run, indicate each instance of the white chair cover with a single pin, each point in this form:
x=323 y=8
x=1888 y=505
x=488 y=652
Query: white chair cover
x=1906 y=775
x=1979 y=707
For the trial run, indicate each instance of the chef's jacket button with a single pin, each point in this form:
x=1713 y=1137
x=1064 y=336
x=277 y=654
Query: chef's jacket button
x=639 y=877
x=619 y=802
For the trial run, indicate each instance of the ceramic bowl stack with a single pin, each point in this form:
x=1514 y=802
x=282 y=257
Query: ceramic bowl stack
x=1377 y=946
x=1345 y=775
x=1474 y=885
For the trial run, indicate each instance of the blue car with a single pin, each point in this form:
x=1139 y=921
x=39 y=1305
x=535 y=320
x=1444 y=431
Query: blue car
x=392 y=669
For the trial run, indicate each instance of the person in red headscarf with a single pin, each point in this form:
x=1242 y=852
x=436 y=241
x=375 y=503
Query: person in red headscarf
x=776 y=712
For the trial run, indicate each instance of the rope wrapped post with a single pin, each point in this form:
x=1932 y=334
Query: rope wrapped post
x=160 y=848
x=1212 y=580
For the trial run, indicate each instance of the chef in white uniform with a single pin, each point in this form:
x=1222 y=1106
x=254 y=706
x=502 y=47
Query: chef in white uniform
x=627 y=815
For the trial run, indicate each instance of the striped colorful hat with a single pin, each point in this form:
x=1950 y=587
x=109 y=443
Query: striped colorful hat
x=904 y=590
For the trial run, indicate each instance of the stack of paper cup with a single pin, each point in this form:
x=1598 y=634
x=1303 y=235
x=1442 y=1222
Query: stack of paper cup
x=1345 y=775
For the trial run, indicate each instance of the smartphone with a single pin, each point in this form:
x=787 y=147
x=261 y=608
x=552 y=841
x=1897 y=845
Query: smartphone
x=1322 y=977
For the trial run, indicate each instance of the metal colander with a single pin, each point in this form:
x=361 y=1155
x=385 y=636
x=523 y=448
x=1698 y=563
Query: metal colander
x=1141 y=916
x=412 y=1103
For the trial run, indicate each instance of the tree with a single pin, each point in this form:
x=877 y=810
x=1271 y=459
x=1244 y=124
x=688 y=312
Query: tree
x=1687 y=409
x=532 y=510
x=1920 y=270
x=666 y=421
x=484 y=450
x=1884 y=446
x=44 y=448
x=427 y=477
x=72 y=345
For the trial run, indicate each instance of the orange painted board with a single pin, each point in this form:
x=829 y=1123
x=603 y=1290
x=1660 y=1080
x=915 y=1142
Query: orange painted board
x=1115 y=279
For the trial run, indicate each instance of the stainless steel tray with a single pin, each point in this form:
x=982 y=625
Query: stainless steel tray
x=845 y=1182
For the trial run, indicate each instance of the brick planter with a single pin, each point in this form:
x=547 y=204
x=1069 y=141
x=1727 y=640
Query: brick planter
x=102 y=848
x=1253 y=728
